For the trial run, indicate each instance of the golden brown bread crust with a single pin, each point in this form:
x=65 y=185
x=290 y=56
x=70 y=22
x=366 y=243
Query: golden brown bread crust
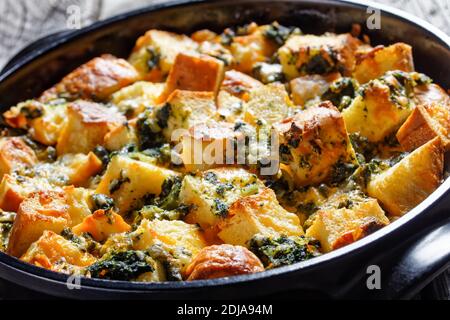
x=314 y=141
x=424 y=124
x=14 y=153
x=194 y=73
x=39 y=212
x=405 y=185
x=239 y=84
x=97 y=80
x=86 y=127
x=52 y=249
x=431 y=93
x=224 y=260
x=379 y=60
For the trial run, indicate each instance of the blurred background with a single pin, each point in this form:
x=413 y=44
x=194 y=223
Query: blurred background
x=23 y=21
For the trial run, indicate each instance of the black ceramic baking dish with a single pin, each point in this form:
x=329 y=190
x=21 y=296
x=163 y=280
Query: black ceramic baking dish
x=410 y=252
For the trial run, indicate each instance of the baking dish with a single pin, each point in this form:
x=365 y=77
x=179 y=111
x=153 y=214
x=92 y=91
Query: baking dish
x=409 y=252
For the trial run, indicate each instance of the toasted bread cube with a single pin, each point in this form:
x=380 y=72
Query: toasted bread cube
x=69 y=169
x=216 y=50
x=101 y=224
x=194 y=72
x=378 y=111
x=186 y=109
x=269 y=103
x=223 y=260
x=310 y=54
x=86 y=127
x=209 y=145
x=412 y=180
x=44 y=121
x=313 y=143
x=183 y=240
x=96 y=80
x=250 y=49
x=155 y=52
x=258 y=214
x=81 y=167
x=229 y=107
x=79 y=204
x=134 y=99
x=378 y=61
x=210 y=193
x=15 y=154
x=431 y=93
x=335 y=228
x=39 y=212
x=424 y=124
x=127 y=181
x=239 y=84
x=53 y=252
x=121 y=136
x=311 y=87
x=14 y=189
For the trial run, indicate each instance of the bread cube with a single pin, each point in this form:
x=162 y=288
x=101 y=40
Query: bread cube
x=379 y=109
x=80 y=167
x=101 y=224
x=424 y=124
x=127 y=181
x=185 y=109
x=229 y=108
x=224 y=260
x=194 y=72
x=310 y=54
x=258 y=214
x=209 y=145
x=173 y=234
x=79 y=204
x=14 y=189
x=216 y=50
x=379 y=60
x=15 y=155
x=182 y=240
x=53 y=252
x=155 y=52
x=405 y=185
x=239 y=84
x=43 y=121
x=431 y=93
x=314 y=144
x=134 y=99
x=39 y=212
x=335 y=228
x=250 y=49
x=311 y=87
x=121 y=136
x=210 y=193
x=95 y=80
x=86 y=127
x=269 y=103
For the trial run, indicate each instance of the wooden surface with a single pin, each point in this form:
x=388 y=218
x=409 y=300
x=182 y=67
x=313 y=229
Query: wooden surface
x=23 y=21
